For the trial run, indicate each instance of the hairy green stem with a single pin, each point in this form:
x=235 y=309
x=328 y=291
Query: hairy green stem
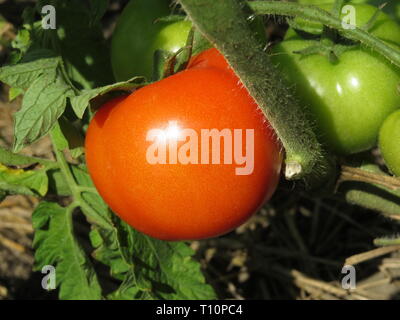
x=315 y=14
x=75 y=189
x=86 y=189
x=225 y=24
x=373 y=194
x=64 y=167
x=373 y=197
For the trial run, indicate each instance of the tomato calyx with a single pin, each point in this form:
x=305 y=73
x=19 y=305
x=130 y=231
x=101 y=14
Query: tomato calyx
x=167 y=64
x=331 y=51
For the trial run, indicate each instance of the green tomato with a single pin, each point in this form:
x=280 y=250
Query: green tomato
x=137 y=36
x=389 y=142
x=349 y=99
x=384 y=28
x=392 y=7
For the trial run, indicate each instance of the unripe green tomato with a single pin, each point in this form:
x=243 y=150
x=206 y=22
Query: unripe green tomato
x=348 y=99
x=389 y=142
x=392 y=7
x=384 y=27
x=137 y=36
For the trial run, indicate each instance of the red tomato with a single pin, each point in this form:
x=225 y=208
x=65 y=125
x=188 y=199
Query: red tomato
x=147 y=155
x=210 y=58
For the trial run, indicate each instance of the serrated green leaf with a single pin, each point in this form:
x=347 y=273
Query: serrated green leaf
x=159 y=269
x=13 y=159
x=22 y=75
x=7 y=188
x=110 y=252
x=18 y=180
x=148 y=268
x=58 y=137
x=44 y=102
x=55 y=244
x=81 y=102
x=13 y=93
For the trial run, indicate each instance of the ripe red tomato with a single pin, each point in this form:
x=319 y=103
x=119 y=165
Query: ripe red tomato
x=147 y=154
x=210 y=58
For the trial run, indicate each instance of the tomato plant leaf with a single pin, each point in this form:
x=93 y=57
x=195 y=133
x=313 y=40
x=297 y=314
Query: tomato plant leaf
x=159 y=269
x=14 y=93
x=69 y=138
x=55 y=244
x=44 y=102
x=81 y=102
x=149 y=268
x=10 y=158
x=22 y=75
x=110 y=251
x=57 y=183
x=15 y=180
x=7 y=188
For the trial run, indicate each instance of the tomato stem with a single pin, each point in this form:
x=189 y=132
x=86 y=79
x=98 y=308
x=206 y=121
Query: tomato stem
x=356 y=174
x=371 y=189
x=75 y=189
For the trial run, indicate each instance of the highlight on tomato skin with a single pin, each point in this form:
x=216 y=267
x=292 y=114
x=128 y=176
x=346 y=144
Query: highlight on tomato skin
x=188 y=157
